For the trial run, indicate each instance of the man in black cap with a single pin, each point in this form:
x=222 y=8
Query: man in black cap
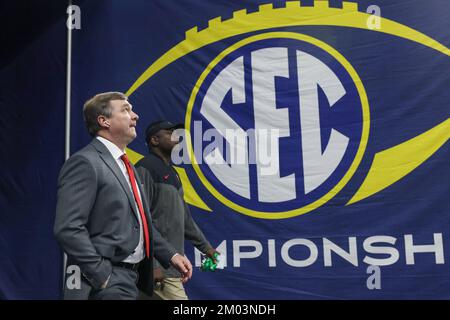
x=170 y=213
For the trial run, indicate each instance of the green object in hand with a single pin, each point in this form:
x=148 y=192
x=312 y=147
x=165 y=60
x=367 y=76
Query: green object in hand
x=208 y=263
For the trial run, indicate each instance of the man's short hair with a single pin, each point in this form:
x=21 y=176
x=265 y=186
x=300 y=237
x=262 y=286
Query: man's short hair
x=99 y=105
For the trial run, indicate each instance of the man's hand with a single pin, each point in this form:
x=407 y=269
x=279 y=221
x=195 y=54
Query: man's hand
x=210 y=254
x=158 y=275
x=183 y=265
x=158 y=278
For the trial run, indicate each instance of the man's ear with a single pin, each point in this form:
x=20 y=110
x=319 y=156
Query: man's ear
x=103 y=122
x=154 y=141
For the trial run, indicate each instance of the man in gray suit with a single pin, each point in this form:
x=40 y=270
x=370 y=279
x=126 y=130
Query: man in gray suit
x=102 y=220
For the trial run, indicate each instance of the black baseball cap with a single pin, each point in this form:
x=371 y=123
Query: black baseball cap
x=154 y=127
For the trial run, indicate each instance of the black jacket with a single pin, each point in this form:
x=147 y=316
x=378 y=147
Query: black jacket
x=170 y=213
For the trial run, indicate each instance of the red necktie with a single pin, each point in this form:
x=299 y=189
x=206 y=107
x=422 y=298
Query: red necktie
x=138 y=201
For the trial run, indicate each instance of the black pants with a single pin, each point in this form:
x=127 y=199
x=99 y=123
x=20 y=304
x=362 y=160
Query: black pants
x=121 y=286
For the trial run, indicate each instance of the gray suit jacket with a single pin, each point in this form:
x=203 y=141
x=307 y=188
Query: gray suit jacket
x=96 y=219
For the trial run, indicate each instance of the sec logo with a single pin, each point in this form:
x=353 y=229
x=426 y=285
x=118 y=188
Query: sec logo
x=290 y=121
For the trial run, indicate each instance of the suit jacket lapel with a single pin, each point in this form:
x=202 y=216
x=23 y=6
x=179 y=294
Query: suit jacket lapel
x=106 y=156
x=143 y=197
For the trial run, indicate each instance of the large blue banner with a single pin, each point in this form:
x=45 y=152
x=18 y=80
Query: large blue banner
x=354 y=96
x=316 y=157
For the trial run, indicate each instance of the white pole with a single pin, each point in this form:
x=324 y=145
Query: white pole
x=68 y=88
x=67 y=133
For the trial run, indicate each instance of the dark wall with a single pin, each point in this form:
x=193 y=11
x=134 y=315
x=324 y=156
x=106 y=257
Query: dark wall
x=32 y=102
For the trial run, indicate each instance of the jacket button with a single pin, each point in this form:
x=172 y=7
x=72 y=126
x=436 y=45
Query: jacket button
x=136 y=227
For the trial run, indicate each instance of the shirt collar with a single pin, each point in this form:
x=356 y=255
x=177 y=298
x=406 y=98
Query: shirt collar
x=112 y=148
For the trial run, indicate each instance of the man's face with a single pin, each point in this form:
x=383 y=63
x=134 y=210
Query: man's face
x=122 y=121
x=164 y=137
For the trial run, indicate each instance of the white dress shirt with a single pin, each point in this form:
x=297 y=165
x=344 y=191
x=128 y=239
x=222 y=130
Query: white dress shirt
x=138 y=254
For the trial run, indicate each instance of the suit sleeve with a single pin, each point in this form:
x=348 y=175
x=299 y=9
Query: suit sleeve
x=163 y=250
x=77 y=186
